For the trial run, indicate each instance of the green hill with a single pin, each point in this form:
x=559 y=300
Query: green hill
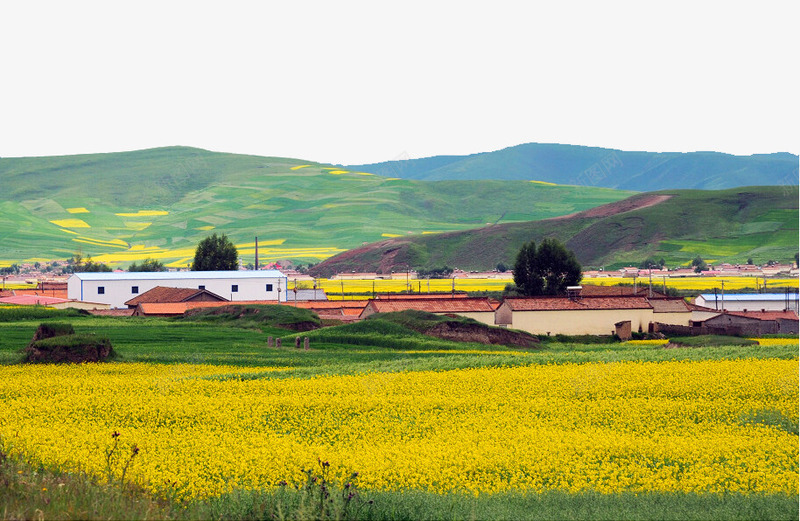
x=725 y=225
x=591 y=166
x=160 y=203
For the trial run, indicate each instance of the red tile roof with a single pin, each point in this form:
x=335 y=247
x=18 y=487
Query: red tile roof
x=178 y=308
x=162 y=294
x=112 y=312
x=58 y=293
x=32 y=300
x=765 y=315
x=419 y=296
x=566 y=304
x=329 y=304
x=445 y=305
x=592 y=290
x=669 y=305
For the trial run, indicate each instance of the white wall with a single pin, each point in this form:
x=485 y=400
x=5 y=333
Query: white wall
x=580 y=322
x=749 y=305
x=117 y=292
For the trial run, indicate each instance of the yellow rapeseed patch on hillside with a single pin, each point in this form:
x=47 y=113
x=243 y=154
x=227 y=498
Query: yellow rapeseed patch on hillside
x=137 y=226
x=709 y=426
x=77 y=210
x=143 y=213
x=71 y=223
x=113 y=243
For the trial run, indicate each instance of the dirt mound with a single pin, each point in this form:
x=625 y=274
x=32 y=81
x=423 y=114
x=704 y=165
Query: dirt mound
x=461 y=332
x=58 y=343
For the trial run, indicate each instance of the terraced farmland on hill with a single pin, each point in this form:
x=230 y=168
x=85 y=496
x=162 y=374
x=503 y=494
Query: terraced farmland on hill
x=160 y=203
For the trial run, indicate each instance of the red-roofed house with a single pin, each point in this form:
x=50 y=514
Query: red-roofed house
x=53 y=302
x=576 y=316
x=480 y=309
x=168 y=309
x=165 y=295
x=755 y=323
x=674 y=311
x=342 y=310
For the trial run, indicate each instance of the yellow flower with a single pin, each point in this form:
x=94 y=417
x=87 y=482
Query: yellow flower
x=690 y=426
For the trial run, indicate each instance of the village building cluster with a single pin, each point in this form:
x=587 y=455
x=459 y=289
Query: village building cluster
x=586 y=310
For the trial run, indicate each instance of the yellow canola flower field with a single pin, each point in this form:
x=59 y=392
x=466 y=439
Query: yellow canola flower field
x=333 y=287
x=71 y=223
x=635 y=426
x=776 y=341
x=697 y=283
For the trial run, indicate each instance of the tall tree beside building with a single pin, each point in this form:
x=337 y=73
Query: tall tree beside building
x=216 y=253
x=546 y=270
x=525 y=276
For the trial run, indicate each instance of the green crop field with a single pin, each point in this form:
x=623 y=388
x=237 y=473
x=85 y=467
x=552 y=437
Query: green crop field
x=159 y=203
x=201 y=419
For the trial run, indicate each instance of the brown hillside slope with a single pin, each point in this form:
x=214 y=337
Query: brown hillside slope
x=494 y=241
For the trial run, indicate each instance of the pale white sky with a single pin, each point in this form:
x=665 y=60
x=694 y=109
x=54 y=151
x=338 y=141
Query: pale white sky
x=355 y=82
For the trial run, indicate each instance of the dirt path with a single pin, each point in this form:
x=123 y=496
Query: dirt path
x=618 y=207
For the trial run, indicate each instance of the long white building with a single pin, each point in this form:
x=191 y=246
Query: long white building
x=117 y=288
x=749 y=301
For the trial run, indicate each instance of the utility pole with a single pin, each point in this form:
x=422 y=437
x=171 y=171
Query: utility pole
x=256 y=252
x=723 y=296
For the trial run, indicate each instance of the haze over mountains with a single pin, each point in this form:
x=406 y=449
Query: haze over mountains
x=591 y=166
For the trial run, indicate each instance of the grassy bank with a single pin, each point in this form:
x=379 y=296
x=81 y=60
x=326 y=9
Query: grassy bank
x=32 y=492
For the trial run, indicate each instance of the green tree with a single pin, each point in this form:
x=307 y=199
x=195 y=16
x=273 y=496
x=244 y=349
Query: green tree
x=216 y=253
x=525 y=278
x=546 y=270
x=699 y=264
x=557 y=266
x=148 y=265
x=435 y=273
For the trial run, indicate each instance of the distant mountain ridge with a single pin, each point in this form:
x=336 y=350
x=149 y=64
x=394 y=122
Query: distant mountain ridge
x=603 y=167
